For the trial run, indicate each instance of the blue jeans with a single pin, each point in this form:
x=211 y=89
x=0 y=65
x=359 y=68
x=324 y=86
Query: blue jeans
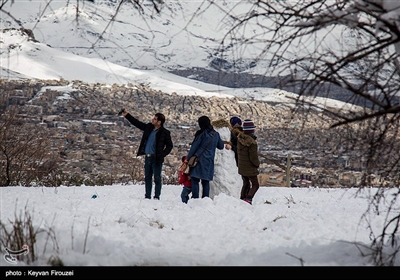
x=150 y=169
x=185 y=194
x=195 y=187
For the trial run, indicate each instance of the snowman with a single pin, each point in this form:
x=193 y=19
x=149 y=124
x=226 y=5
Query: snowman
x=226 y=177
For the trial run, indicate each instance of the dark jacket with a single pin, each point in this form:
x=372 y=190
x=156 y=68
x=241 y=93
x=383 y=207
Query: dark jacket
x=163 y=138
x=234 y=142
x=247 y=150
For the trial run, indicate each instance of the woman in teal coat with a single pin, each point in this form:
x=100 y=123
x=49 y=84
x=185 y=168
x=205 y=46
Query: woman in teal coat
x=206 y=139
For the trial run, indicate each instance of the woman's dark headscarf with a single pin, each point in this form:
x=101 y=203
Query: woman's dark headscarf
x=205 y=124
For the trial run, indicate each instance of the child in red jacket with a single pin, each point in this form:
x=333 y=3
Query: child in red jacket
x=185 y=180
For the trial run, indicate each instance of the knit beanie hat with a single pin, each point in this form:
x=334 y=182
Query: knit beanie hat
x=248 y=126
x=235 y=120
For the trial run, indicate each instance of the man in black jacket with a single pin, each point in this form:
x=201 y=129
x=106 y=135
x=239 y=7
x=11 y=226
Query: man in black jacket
x=155 y=144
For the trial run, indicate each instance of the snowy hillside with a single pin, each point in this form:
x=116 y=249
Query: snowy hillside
x=24 y=57
x=137 y=40
x=187 y=38
x=186 y=34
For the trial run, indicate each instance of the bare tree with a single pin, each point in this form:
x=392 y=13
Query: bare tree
x=25 y=157
x=306 y=44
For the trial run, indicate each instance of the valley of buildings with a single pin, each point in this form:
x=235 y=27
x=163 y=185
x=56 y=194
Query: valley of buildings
x=95 y=144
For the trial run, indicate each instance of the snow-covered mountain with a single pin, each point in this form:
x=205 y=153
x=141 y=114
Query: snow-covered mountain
x=185 y=34
x=120 y=43
x=23 y=57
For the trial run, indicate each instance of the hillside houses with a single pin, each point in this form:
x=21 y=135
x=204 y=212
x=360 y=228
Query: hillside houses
x=97 y=145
